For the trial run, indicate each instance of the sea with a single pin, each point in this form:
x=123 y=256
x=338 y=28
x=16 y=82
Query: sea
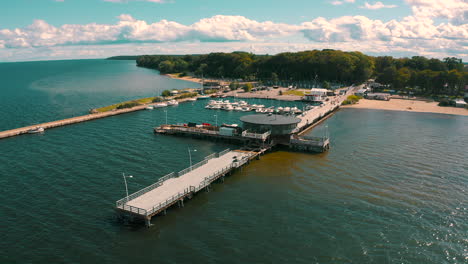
x=393 y=188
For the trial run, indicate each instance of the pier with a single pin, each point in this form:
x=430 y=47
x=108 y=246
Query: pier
x=68 y=121
x=75 y=120
x=176 y=187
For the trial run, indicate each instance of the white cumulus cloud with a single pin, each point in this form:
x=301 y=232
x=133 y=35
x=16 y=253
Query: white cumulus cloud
x=377 y=5
x=420 y=33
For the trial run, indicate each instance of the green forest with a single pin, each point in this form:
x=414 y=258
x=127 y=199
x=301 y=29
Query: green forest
x=418 y=75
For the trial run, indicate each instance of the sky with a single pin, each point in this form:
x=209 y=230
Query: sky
x=82 y=29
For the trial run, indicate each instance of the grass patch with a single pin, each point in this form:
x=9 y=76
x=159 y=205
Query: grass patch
x=126 y=104
x=352 y=99
x=294 y=92
x=186 y=95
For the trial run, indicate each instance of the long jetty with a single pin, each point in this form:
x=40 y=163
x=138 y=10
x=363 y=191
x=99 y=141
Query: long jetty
x=68 y=121
x=74 y=120
x=174 y=188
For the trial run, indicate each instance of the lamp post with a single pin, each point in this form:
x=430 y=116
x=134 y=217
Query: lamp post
x=190 y=156
x=125 y=180
x=216 y=118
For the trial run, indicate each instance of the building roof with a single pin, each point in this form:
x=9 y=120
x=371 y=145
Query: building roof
x=262 y=119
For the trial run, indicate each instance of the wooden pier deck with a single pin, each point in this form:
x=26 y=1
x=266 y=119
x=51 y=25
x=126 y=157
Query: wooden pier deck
x=175 y=187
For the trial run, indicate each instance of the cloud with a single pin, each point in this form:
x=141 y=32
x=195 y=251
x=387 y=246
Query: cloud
x=215 y=29
x=418 y=33
x=377 y=5
x=454 y=10
x=342 y=2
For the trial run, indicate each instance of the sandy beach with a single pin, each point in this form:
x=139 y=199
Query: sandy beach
x=409 y=106
x=193 y=79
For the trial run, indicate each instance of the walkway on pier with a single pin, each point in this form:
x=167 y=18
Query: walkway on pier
x=311 y=116
x=176 y=186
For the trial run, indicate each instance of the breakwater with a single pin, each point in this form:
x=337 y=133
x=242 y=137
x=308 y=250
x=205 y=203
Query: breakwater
x=68 y=121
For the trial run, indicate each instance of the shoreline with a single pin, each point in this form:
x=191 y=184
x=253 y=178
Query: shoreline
x=416 y=106
x=192 y=79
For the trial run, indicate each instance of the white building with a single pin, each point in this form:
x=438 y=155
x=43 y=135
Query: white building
x=316 y=95
x=460 y=103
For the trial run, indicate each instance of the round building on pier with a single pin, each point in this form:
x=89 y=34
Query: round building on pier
x=277 y=124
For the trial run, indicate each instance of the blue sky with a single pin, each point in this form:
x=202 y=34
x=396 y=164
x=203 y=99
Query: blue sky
x=20 y=13
x=64 y=29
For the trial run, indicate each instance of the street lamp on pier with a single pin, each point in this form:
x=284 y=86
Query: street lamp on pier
x=125 y=180
x=190 y=156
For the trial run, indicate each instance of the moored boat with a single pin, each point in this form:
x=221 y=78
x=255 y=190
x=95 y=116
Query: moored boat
x=159 y=105
x=36 y=130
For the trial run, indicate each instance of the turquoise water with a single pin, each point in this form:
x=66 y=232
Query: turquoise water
x=392 y=189
x=37 y=92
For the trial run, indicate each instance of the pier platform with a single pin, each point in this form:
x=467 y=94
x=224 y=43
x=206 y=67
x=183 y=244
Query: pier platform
x=175 y=187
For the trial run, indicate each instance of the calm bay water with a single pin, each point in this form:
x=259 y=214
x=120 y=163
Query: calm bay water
x=392 y=189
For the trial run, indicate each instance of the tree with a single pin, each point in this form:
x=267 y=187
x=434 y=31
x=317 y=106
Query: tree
x=166 y=66
x=326 y=85
x=166 y=93
x=274 y=77
x=234 y=86
x=247 y=87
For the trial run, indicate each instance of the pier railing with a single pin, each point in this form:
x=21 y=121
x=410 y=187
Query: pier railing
x=263 y=136
x=133 y=209
x=122 y=202
x=153 y=186
x=170 y=200
x=224 y=152
x=207 y=180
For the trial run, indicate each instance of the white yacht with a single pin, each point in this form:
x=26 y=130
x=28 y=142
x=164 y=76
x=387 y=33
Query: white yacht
x=159 y=105
x=172 y=102
x=149 y=107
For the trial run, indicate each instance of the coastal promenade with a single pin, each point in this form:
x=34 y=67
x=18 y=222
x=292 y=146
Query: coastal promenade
x=175 y=187
x=313 y=117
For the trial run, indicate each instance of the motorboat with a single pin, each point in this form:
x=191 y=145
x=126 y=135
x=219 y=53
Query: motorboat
x=36 y=130
x=172 y=102
x=191 y=99
x=237 y=108
x=149 y=107
x=270 y=109
x=203 y=96
x=228 y=107
x=159 y=105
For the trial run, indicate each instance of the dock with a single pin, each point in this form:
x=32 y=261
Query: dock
x=213 y=133
x=176 y=187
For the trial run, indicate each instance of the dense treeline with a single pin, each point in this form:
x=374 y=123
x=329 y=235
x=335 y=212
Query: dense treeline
x=417 y=74
x=421 y=75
